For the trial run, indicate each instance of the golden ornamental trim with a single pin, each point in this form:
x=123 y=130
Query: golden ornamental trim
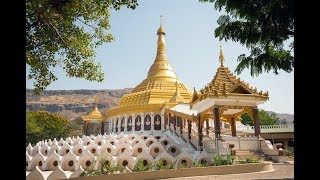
x=134 y=108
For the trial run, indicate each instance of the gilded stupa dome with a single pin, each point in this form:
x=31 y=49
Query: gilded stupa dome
x=160 y=87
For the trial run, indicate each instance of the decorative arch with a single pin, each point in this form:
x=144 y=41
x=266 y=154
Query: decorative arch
x=166 y=159
x=184 y=158
x=138 y=148
x=86 y=160
x=157 y=122
x=138 y=123
x=125 y=159
x=129 y=124
x=68 y=162
x=147 y=123
x=37 y=160
x=145 y=158
x=156 y=149
x=173 y=150
x=78 y=149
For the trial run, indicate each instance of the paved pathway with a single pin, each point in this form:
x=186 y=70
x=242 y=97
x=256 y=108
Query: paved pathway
x=281 y=171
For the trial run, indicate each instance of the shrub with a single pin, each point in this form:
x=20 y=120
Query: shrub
x=218 y=160
x=141 y=167
x=249 y=159
x=105 y=168
x=200 y=164
x=159 y=165
x=288 y=152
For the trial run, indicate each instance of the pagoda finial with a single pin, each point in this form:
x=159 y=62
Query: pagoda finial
x=96 y=101
x=161 y=30
x=221 y=57
x=161 y=42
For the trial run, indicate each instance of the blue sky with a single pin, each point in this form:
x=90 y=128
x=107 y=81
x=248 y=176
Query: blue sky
x=192 y=51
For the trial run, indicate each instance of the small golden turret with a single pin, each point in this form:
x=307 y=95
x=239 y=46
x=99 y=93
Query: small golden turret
x=176 y=97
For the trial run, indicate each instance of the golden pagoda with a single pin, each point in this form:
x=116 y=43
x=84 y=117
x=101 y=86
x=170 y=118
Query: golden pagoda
x=93 y=117
x=94 y=114
x=161 y=87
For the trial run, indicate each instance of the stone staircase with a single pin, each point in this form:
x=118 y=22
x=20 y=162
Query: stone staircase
x=185 y=146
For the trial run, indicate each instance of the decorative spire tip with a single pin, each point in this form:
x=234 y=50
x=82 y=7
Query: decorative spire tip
x=96 y=101
x=221 y=57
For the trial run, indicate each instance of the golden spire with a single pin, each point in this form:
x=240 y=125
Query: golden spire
x=195 y=95
x=176 y=97
x=96 y=101
x=95 y=109
x=161 y=66
x=161 y=42
x=221 y=57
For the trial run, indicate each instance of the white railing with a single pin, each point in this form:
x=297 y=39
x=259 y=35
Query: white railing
x=291 y=126
x=185 y=135
x=194 y=141
x=283 y=126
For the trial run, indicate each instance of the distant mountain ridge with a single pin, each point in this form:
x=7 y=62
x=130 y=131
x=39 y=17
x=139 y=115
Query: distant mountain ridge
x=74 y=103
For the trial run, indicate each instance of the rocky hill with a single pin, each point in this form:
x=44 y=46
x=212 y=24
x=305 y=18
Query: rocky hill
x=74 y=103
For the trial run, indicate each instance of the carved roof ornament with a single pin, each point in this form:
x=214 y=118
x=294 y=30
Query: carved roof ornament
x=221 y=57
x=195 y=95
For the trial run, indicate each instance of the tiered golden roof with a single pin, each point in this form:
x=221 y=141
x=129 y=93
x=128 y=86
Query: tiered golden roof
x=95 y=114
x=159 y=88
x=226 y=84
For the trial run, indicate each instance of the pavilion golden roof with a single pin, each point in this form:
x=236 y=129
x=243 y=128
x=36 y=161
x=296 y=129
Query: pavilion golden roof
x=160 y=86
x=226 y=84
x=95 y=114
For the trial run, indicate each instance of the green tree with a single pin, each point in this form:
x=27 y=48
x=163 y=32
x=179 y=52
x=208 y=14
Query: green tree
x=64 y=33
x=263 y=27
x=76 y=127
x=43 y=125
x=264 y=117
x=246 y=119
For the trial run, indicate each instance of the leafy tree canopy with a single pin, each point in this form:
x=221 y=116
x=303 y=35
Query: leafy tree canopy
x=263 y=27
x=43 y=125
x=56 y=36
x=264 y=117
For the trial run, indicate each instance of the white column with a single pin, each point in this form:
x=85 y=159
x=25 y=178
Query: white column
x=133 y=122
x=152 y=121
x=119 y=125
x=142 y=122
x=125 y=123
x=162 y=121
